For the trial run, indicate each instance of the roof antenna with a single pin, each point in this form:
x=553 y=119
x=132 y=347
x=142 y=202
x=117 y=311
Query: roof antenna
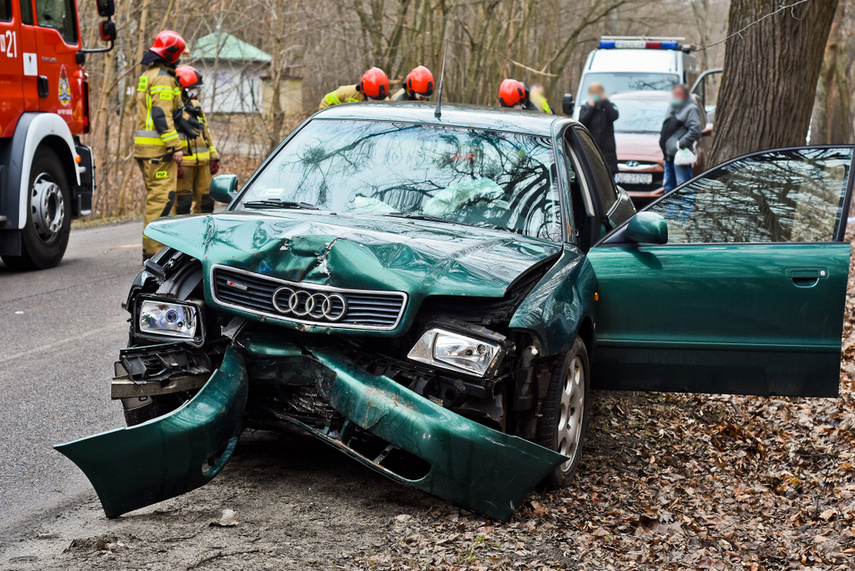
x=438 y=112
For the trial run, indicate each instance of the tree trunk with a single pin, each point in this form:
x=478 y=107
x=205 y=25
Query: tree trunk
x=770 y=74
x=832 y=112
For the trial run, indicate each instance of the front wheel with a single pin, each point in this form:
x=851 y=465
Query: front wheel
x=564 y=412
x=48 y=224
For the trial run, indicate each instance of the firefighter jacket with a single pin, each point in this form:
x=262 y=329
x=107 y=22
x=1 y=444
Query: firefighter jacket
x=540 y=102
x=158 y=98
x=197 y=145
x=344 y=94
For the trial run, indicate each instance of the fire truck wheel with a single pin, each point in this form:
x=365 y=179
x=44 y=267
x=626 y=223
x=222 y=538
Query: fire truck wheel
x=45 y=235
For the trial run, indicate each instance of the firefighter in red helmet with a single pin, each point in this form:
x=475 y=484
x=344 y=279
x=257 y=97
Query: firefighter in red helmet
x=201 y=159
x=418 y=86
x=515 y=95
x=157 y=148
x=374 y=86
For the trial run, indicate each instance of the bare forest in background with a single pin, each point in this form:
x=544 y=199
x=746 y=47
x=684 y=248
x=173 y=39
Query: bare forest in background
x=329 y=43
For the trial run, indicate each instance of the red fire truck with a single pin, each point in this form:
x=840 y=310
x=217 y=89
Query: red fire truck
x=46 y=175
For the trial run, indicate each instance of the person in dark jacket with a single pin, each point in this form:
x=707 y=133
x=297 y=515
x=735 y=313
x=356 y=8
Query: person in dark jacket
x=599 y=114
x=681 y=130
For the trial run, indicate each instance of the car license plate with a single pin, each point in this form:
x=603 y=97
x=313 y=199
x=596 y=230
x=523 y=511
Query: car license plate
x=633 y=178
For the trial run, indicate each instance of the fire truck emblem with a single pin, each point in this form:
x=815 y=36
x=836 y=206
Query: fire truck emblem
x=64 y=87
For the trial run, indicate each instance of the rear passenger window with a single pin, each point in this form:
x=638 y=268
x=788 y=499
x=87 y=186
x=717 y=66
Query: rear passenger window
x=605 y=186
x=59 y=15
x=5 y=10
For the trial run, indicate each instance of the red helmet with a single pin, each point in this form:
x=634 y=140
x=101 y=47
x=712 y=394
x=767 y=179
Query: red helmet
x=512 y=92
x=188 y=76
x=169 y=45
x=420 y=81
x=374 y=84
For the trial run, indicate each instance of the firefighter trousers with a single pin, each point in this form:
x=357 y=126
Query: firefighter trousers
x=193 y=187
x=159 y=176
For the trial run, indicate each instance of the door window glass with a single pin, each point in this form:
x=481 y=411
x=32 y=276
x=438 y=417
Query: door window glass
x=605 y=187
x=27 y=12
x=779 y=196
x=5 y=10
x=59 y=15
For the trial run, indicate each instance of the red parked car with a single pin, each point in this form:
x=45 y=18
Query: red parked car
x=640 y=160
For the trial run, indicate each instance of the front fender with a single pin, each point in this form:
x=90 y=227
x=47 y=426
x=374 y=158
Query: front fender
x=554 y=310
x=165 y=457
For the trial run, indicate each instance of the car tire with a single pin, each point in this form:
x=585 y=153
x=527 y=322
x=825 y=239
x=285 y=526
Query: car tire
x=44 y=237
x=564 y=412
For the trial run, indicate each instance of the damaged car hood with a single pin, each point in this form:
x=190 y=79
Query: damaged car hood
x=420 y=258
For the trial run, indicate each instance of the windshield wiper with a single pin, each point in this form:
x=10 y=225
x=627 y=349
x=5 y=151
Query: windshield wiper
x=430 y=218
x=276 y=203
x=427 y=217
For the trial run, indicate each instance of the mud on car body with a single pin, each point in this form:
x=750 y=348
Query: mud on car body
x=431 y=296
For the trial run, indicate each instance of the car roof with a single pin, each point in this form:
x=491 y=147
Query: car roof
x=643 y=95
x=453 y=115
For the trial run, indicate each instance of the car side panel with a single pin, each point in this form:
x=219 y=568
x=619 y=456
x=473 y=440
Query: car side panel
x=720 y=318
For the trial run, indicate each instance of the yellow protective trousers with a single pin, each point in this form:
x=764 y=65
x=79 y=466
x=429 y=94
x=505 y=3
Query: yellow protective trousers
x=160 y=177
x=193 y=187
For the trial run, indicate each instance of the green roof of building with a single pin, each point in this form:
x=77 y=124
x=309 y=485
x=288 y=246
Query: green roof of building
x=220 y=45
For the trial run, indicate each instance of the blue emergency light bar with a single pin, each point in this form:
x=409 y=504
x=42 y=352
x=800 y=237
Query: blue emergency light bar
x=638 y=45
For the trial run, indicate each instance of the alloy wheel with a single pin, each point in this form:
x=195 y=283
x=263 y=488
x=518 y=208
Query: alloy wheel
x=571 y=411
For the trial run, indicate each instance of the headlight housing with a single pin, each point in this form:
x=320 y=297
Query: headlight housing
x=457 y=351
x=159 y=318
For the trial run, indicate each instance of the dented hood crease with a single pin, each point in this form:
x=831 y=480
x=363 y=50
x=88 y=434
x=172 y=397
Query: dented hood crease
x=365 y=252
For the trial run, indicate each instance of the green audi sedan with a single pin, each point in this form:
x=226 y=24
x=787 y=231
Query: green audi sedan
x=435 y=295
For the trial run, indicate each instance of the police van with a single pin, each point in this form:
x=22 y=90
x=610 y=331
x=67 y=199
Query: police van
x=623 y=64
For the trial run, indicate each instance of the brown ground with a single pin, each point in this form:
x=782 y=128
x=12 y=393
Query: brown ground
x=667 y=481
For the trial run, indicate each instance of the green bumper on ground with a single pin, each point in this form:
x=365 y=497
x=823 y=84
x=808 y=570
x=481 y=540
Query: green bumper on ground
x=472 y=466
x=134 y=467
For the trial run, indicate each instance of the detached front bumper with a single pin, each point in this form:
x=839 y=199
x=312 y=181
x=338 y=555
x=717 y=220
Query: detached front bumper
x=468 y=464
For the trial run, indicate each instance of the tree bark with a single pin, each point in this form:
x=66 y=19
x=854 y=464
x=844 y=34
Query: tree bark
x=770 y=74
x=832 y=112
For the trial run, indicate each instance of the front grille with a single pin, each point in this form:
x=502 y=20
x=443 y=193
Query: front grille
x=306 y=303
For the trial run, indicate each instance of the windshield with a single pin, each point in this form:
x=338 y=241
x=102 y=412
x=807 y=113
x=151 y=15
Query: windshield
x=623 y=82
x=468 y=176
x=640 y=115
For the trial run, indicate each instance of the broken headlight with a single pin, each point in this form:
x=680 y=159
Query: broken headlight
x=456 y=352
x=177 y=320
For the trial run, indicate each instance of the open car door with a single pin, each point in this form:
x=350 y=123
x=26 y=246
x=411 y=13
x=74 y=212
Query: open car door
x=747 y=294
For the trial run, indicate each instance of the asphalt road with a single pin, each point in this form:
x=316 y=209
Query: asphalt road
x=60 y=331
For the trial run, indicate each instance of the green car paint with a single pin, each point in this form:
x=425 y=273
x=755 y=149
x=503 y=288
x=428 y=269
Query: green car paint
x=733 y=318
x=361 y=252
x=137 y=466
x=560 y=303
x=471 y=465
x=742 y=318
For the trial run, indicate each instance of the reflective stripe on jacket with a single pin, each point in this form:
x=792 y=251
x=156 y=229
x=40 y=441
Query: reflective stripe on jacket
x=198 y=150
x=158 y=97
x=344 y=94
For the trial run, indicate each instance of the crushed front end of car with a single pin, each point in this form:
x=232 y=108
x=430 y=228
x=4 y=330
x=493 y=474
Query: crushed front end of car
x=387 y=340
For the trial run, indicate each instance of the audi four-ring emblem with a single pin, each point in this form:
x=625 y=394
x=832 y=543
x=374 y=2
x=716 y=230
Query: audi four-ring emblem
x=301 y=303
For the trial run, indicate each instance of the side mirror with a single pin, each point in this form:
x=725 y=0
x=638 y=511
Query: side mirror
x=647 y=228
x=224 y=188
x=108 y=30
x=568 y=105
x=106 y=8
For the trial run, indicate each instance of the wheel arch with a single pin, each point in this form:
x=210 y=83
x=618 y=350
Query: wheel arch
x=34 y=131
x=588 y=333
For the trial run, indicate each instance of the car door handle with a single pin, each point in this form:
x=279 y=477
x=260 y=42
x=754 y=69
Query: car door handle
x=806 y=277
